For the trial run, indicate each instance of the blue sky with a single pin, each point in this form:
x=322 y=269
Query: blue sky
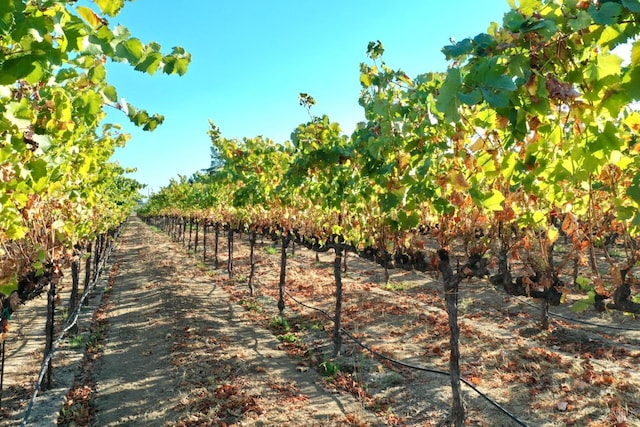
x=251 y=59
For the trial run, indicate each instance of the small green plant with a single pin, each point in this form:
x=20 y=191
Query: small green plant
x=90 y=340
x=250 y=305
x=289 y=337
x=280 y=323
x=317 y=327
x=78 y=341
x=584 y=283
x=394 y=287
x=328 y=368
x=271 y=250
x=584 y=304
x=94 y=339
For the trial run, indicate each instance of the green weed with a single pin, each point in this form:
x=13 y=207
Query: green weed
x=394 y=287
x=271 y=250
x=289 y=337
x=250 y=305
x=328 y=368
x=280 y=323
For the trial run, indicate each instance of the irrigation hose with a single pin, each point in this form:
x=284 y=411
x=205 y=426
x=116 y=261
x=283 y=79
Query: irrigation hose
x=406 y=365
x=71 y=322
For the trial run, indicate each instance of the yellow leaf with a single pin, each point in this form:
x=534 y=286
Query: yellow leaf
x=90 y=16
x=552 y=234
x=365 y=80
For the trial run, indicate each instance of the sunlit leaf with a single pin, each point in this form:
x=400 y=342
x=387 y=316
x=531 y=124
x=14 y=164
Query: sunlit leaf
x=90 y=16
x=131 y=50
x=495 y=201
x=110 y=7
x=635 y=53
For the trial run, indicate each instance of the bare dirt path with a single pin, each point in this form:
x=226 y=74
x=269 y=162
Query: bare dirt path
x=177 y=352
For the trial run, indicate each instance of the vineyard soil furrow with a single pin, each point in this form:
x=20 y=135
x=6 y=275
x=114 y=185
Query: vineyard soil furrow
x=178 y=352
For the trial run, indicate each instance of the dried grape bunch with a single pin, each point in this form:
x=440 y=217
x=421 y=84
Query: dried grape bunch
x=560 y=91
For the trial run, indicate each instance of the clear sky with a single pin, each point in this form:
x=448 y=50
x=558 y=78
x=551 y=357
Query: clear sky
x=251 y=59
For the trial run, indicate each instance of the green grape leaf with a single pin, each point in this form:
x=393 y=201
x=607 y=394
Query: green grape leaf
x=66 y=74
x=8 y=9
x=19 y=114
x=483 y=44
x=459 y=49
x=375 y=49
x=631 y=83
x=110 y=93
x=110 y=7
x=18 y=68
x=494 y=201
x=634 y=189
x=153 y=122
x=607 y=14
x=581 y=21
x=90 y=16
x=584 y=283
x=635 y=54
x=529 y=25
x=513 y=21
x=585 y=304
x=632 y=5
x=496 y=98
x=150 y=63
x=391 y=200
x=408 y=221
x=472 y=98
x=131 y=50
x=177 y=62
x=38 y=169
x=447 y=101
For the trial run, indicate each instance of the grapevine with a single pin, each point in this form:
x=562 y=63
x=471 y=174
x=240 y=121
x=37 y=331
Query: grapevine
x=59 y=189
x=527 y=141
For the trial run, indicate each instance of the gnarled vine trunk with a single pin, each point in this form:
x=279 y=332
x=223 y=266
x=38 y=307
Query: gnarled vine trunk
x=252 y=260
x=451 y=284
x=283 y=272
x=230 y=252
x=216 y=261
x=337 y=273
